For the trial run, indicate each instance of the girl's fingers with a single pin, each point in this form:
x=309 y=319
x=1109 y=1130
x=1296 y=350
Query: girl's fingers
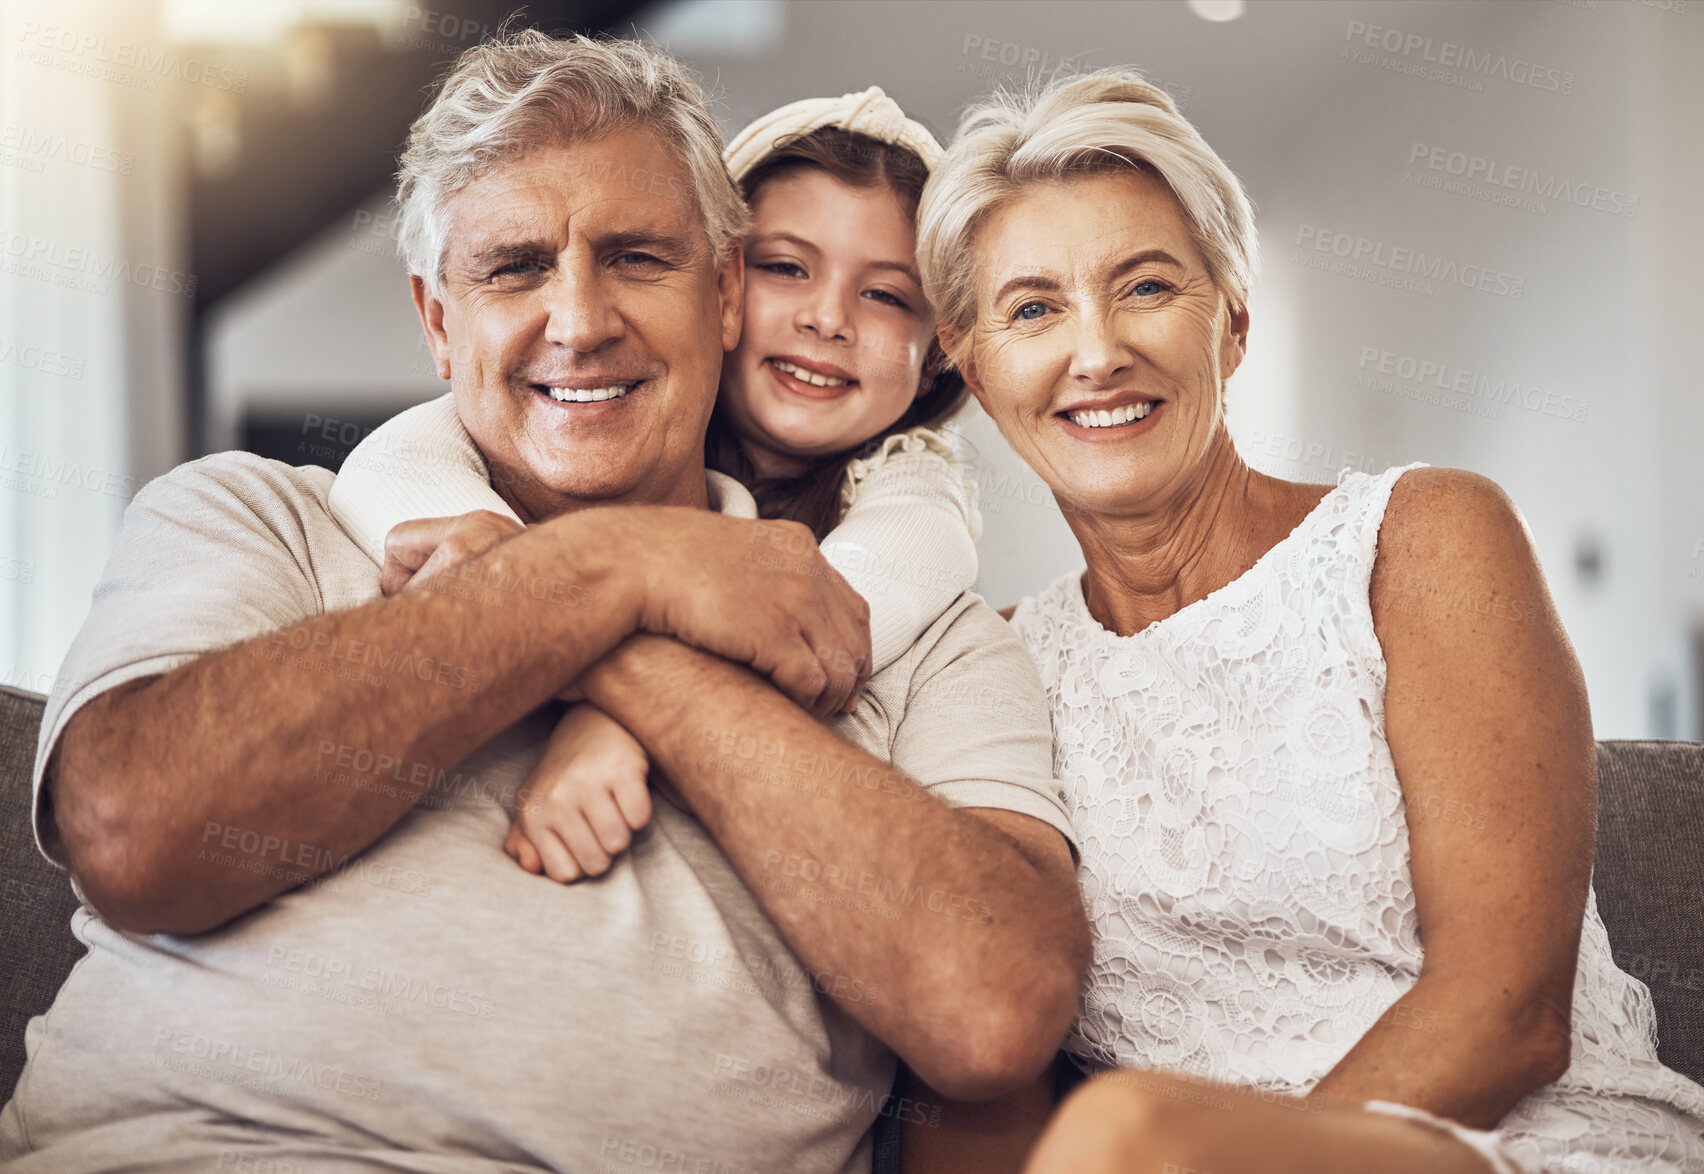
x=521 y=848
x=633 y=797
x=583 y=843
x=560 y=864
x=608 y=823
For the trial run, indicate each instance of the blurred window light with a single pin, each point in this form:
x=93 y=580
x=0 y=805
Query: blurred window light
x=748 y=28
x=310 y=68
x=216 y=134
x=1217 y=10
x=269 y=22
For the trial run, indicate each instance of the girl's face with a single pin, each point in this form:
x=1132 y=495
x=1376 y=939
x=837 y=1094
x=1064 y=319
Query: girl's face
x=836 y=328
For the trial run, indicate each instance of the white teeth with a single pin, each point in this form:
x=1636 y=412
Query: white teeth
x=1104 y=418
x=589 y=395
x=810 y=377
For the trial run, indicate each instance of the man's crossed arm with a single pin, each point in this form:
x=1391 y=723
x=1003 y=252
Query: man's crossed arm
x=980 y=998
x=976 y=1006
x=230 y=741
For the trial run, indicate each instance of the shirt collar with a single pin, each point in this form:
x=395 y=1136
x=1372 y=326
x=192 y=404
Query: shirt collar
x=728 y=496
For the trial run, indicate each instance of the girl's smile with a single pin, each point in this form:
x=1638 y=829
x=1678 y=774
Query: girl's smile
x=836 y=328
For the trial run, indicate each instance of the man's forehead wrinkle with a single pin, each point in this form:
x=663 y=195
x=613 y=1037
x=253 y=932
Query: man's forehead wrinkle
x=531 y=225
x=482 y=219
x=557 y=197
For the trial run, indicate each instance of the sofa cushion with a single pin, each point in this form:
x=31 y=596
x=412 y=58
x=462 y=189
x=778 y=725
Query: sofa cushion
x=37 y=950
x=1649 y=880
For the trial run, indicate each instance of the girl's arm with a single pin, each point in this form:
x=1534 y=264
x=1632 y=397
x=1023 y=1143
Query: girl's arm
x=907 y=540
x=419 y=464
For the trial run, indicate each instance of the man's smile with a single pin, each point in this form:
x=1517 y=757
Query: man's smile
x=588 y=391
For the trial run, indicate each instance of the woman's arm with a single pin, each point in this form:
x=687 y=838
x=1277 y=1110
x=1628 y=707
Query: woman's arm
x=1490 y=732
x=906 y=542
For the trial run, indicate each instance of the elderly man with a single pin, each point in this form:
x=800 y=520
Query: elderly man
x=282 y=794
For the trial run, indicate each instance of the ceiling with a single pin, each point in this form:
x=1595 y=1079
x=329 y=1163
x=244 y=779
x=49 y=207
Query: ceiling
x=321 y=122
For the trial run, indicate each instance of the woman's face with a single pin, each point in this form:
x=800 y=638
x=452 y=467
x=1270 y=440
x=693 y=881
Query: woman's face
x=836 y=328
x=1100 y=342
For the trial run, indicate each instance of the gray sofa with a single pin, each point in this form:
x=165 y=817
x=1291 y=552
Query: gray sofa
x=1649 y=879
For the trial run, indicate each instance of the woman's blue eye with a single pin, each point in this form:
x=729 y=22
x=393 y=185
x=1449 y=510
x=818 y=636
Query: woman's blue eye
x=1024 y=311
x=1150 y=287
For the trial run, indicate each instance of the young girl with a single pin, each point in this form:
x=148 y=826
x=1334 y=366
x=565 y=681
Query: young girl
x=825 y=412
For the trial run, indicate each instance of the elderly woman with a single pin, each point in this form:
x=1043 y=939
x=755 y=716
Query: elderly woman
x=1327 y=748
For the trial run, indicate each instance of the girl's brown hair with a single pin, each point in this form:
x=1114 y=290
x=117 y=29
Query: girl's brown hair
x=813 y=497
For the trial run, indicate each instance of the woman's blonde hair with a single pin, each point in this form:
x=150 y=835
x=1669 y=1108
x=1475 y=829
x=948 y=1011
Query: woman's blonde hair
x=1092 y=123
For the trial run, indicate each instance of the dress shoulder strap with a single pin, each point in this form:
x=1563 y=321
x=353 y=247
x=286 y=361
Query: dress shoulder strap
x=1368 y=497
x=1337 y=561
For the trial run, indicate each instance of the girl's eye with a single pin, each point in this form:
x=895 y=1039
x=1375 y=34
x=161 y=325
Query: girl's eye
x=783 y=268
x=1030 y=311
x=1148 y=287
x=886 y=298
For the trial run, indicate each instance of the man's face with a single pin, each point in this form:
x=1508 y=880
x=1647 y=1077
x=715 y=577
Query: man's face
x=582 y=324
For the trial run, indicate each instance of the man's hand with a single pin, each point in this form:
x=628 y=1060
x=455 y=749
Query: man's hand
x=759 y=593
x=417 y=550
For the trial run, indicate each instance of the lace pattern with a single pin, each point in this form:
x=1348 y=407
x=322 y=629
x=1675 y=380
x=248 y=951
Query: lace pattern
x=1245 y=856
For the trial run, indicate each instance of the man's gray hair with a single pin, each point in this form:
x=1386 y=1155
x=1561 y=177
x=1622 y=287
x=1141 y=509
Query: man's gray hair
x=522 y=90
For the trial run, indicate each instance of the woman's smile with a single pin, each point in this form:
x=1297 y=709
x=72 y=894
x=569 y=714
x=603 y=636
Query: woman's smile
x=1112 y=420
x=1100 y=327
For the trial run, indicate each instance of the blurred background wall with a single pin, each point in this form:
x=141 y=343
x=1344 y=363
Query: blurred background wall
x=1480 y=229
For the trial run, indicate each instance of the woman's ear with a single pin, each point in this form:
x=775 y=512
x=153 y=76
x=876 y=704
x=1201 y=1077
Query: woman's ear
x=949 y=340
x=1233 y=340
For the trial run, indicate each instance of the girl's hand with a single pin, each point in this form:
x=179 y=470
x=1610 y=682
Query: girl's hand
x=584 y=799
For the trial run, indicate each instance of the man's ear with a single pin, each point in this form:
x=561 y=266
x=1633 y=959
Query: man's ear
x=730 y=288
x=431 y=311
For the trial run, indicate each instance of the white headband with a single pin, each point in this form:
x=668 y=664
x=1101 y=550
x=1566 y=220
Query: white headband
x=870 y=113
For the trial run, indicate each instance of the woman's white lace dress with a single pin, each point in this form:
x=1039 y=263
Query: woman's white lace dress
x=1245 y=852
